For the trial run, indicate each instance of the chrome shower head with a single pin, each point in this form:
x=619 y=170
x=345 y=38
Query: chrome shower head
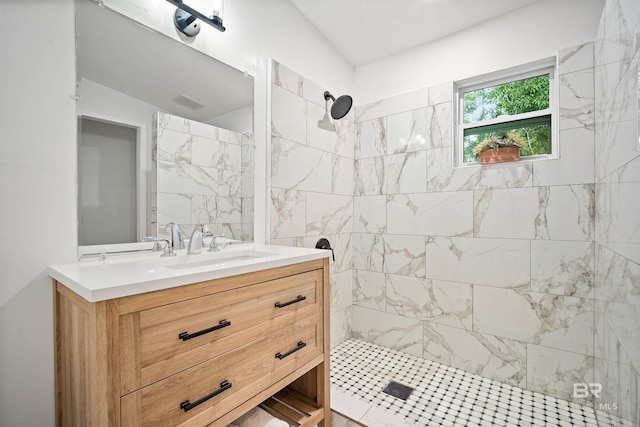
x=341 y=106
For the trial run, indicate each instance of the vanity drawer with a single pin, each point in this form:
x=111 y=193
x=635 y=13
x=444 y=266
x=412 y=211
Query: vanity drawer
x=161 y=341
x=203 y=393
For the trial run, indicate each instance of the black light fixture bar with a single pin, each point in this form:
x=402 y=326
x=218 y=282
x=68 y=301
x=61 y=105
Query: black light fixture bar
x=215 y=22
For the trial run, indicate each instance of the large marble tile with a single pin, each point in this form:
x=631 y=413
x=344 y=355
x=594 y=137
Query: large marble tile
x=555 y=321
x=300 y=167
x=368 y=176
x=183 y=178
x=231 y=158
x=393 y=105
x=624 y=321
x=615 y=147
x=229 y=183
x=440 y=93
x=371 y=139
x=575 y=164
x=340 y=326
x=620 y=395
x=606 y=343
x=629 y=172
x=437 y=301
x=287 y=213
x=174 y=146
x=285 y=78
x=389 y=330
x=407 y=131
x=620 y=26
x=495 y=262
x=553 y=372
x=229 y=210
x=340 y=290
x=563 y=268
x=405 y=173
x=204 y=210
x=442 y=176
x=439 y=126
x=404 y=255
x=369 y=214
x=180 y=124
x=342 y=170
x=576 y=98
x=618 y=224
x=617 y=277
x=288 y=115
x=369 y=289
x=368 y=252
x=346 y=131
x=557 y=212
x=500 y=359
x=174 y=208
x=328 y=214
x=342 y=245
x=576 y=58
x=436 y=214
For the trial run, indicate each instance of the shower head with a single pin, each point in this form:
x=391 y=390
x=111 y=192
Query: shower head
x=341 y=106
x=326 y=123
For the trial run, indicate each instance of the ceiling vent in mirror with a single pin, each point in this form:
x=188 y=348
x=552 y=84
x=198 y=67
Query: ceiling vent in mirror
x=188 y=102
x=187 y=18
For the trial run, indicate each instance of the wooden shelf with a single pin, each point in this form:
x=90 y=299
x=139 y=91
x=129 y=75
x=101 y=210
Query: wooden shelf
x=293 y=408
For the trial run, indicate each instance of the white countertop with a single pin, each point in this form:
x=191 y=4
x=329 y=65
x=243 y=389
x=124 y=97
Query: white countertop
x=120 y=275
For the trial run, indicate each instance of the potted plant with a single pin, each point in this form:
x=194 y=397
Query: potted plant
x=502 y=148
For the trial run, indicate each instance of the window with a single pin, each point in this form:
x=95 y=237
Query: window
x=518 y=101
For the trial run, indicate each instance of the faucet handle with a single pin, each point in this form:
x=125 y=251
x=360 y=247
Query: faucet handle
x=156 y=243
x=213 y=247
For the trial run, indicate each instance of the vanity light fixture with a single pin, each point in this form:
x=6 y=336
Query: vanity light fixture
x=186 y=19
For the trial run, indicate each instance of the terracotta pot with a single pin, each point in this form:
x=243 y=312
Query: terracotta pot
x=499 y=155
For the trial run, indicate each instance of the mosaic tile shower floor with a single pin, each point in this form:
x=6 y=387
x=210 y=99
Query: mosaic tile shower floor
x=443 y=396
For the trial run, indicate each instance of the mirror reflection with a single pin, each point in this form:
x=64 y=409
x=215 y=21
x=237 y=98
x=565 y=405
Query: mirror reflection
x=164 y=134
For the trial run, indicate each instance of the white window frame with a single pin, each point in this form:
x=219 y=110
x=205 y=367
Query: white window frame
x=545 y=66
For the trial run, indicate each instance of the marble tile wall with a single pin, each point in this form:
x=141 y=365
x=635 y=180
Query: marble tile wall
x=202 y=174
x=489 y=269
x=312 y=183
x=617 y=225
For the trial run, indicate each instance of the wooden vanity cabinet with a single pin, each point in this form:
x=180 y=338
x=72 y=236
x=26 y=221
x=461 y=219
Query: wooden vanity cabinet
x=201 y=354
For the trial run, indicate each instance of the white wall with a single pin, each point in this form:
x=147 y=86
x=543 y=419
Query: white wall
x=37 y=197
x=523 y=36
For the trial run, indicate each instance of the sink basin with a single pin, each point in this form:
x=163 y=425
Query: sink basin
x=210 y=259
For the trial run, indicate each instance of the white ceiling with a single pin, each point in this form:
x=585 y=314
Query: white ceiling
x=364 y=31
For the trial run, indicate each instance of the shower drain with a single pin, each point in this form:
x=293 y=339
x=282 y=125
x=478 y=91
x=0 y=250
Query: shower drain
x=398 y=390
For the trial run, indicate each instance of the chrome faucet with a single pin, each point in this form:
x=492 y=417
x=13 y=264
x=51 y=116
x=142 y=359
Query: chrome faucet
x=213 y=247
x=176 y=236
x=197 y=239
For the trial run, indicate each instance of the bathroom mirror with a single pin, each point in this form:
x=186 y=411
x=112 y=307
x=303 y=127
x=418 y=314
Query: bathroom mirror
x=164 y=134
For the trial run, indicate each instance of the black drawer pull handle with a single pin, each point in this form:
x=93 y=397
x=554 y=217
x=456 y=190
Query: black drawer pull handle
x=187 y=406
x=300 y=346
x=187 y=336
x=284 y=304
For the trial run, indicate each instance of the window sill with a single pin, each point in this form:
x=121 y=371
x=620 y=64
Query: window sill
x=527 y=159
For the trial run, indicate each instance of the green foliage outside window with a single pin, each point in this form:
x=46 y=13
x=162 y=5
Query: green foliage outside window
x=508 y=99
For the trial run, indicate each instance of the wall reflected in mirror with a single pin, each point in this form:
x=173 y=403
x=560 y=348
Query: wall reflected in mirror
x=191 y=158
